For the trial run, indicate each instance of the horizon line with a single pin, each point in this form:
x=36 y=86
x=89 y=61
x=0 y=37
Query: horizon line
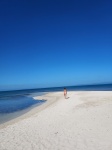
x=57 y=87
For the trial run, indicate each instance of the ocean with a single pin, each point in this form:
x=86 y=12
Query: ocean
x=19 y=100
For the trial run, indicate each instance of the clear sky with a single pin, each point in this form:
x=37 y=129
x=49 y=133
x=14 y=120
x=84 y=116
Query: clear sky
x=48 y=43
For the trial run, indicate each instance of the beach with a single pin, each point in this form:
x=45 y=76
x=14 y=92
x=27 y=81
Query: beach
x=81 y=122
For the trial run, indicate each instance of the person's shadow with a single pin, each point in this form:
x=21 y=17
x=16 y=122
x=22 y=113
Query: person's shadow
x=67 y=97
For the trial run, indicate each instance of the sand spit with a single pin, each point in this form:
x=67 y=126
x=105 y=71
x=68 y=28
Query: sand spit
x=81 y=122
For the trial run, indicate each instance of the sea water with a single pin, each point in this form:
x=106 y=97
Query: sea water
x=16 y=103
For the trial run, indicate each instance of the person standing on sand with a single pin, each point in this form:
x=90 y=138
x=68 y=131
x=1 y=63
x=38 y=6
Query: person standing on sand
x=65 y=93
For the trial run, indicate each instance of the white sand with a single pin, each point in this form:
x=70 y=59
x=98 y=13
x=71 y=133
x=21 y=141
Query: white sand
x=82 y=122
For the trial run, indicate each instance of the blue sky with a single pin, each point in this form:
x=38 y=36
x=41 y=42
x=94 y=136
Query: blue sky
x=55 y=43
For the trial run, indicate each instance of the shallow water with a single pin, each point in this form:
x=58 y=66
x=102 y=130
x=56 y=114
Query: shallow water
x=16 y=105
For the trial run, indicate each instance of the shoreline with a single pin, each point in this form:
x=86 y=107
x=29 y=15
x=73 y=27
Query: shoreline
x=32 y=110
x=51 y=98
